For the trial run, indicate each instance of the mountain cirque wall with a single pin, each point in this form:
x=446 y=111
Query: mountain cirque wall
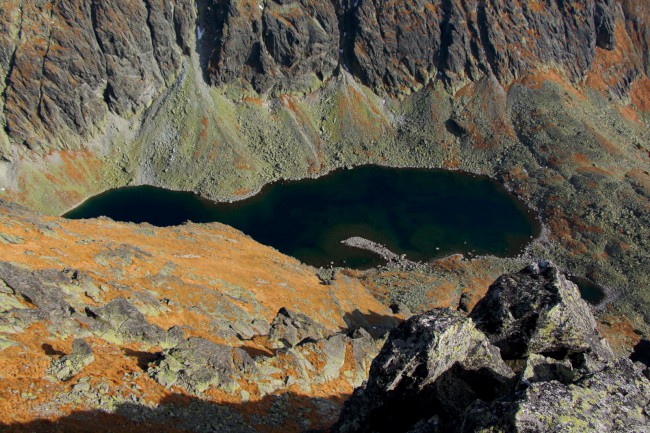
x=68 y=64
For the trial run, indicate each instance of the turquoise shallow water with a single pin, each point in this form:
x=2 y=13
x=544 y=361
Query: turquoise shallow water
x=425 y=214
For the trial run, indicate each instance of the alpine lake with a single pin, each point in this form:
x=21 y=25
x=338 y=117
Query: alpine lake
x=420 y=213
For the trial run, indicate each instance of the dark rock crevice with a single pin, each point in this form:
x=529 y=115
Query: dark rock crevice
x=486 y=43
x=41 y=102
x=10 y=70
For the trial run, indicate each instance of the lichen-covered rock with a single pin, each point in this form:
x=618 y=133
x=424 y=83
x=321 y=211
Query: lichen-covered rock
x=432 y=367
x=198 y=364
x=33 y=288
x=70 y=365
x=121 y=321
x=289 y=329
x=438 y=372
x=339 y=358
x=616 y=399
x=537 y=310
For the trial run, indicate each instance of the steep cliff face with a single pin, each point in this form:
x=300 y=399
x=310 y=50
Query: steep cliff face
x=401 y=46
x=66 y=65
x=275 y=45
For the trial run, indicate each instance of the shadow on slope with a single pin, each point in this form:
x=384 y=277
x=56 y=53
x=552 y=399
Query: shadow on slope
x=284 y=413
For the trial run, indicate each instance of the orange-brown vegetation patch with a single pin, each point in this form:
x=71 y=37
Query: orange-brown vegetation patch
x=196 y=269
x=619 y=332
x=536 y=79
x=219 y=259
x=69 y=174
x=640 y=94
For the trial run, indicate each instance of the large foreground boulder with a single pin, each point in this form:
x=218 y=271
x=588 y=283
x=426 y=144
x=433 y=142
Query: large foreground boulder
x=430 y=369
x=289 y=329
x=120 y=321
x=539 y=311
x=529 y=359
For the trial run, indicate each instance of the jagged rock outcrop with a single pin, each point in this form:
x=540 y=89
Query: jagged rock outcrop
x=440 y=372
x=538 y=311
x=276 y=44
x=119 y=320
x=465 y=39
x=68 y=366
x=432 y=366
x=289 y=329
x=198 y=364
x=32 y=287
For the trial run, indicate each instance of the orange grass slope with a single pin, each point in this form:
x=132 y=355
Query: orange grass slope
x=257 y=278
x=202 y=278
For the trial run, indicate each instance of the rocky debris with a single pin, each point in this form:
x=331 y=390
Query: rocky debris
x=197 y=364
x=374 y=247
x=247 y=329
x=400 y=308
x=339 y=357
x=289 y=329
x=539 y=311
x=440 y=372
x=70 y=365
x=121 y=321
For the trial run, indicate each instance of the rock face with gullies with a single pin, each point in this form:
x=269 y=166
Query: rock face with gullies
x=466 y=39
x=65 y=65
x=277 y=44
x=528 y=360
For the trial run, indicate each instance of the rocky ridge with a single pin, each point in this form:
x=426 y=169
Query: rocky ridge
x=528 y=358
x=127 y=326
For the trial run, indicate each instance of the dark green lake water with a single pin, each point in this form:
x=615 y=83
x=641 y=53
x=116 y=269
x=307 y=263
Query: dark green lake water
x=425 y=214
x=590 y=291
